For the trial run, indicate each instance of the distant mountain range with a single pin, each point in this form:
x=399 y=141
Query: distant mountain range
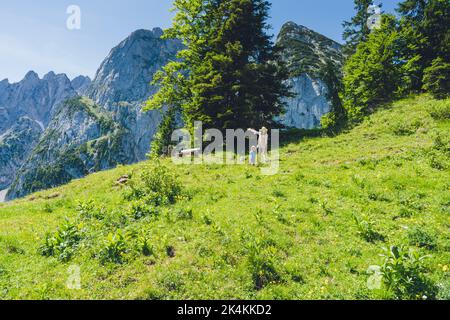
x=53 y=130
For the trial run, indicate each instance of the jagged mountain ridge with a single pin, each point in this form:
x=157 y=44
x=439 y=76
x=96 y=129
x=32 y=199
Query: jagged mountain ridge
x=26 y=108
x=78 y=143
x=81 y=138
x=81 y=83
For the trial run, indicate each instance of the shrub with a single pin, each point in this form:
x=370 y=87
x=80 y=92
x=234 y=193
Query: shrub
x=442 y=143
x=405 y=213
x=144 y=245
x=278 y=194
x=403 y=128
x=184 y=214
x=207 y=219
x=438 y=161
x=262 y=260
x=88 y=210
x=157 y=185
x=403 y=274
x=328 y=120
x=114 y=249
x=143 y=208
x=366 y=229
x=440 y=111
x=63 y=243
x=421 y=238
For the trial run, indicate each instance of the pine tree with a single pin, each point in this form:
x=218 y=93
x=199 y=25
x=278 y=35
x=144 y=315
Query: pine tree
x=357 y=30
x=371 y=75
x=332 y=76
x=413 y=10
x=426 y=37
x=162 y=140
x=227 y=74
x=437 y=79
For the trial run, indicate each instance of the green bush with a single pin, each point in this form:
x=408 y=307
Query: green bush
x=143 y=208
x=157 y=184
x=262 y=260
x=421 y=238
x=366 y=229
x=403 y=274
x=185 y=214
x=114 y=249
x=440 y=111
x=438 y=160
x=403 y=128
x=63 y=243
x=328 y=121
x=144 y=245
x=442 y=143
x=88 y=210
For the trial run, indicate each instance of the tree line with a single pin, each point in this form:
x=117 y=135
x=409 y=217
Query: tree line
x=231 y=75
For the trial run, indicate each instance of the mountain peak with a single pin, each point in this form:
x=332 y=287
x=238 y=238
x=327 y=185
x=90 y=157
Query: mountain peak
x=292 y=24
x=158 y=32
x=31 y=75
x=300 y=32
x=129 y=68
x=81 y=79
x=81 y=83
x=49 y=75
x=144 y=33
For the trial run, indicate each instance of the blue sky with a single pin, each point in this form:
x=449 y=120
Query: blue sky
x=33 y=34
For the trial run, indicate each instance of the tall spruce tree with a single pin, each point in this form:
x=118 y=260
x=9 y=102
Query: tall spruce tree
x=371 y=75
x=227 y=76
x=357 y=30
x=425 y=37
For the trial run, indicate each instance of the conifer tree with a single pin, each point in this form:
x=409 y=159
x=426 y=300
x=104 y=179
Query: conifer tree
x=227 y=76
x=357 y=30
x=425 y=37
x=371 y=75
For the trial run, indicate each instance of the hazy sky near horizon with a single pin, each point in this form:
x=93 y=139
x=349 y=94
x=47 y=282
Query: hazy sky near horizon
x=34 y=36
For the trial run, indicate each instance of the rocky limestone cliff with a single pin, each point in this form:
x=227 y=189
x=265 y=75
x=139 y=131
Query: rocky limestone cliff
x=81 y=138
x=122 y=84
x=306 y=52
x=26 y=108
x=80 y=84
x=78 y=143
x=17 y=142
x=33 y=97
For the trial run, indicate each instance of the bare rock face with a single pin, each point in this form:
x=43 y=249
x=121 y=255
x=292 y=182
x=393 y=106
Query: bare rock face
x=33 y=97
x=122 y=84
x=26 y=109
x=306 y=52
x=81 y=138
x=17 y=141
x=80 y=84
x=310 y=104
x=105 y=128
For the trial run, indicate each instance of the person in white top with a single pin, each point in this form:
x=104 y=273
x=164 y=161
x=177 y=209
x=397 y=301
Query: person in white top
x=262 y=142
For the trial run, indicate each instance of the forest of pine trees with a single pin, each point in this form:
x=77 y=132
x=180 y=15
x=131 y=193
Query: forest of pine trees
x=408 y=54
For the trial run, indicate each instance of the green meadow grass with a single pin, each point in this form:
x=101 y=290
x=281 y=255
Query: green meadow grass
x=237 y=234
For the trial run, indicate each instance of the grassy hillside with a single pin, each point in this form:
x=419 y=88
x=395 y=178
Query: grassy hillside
x=310 y=232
